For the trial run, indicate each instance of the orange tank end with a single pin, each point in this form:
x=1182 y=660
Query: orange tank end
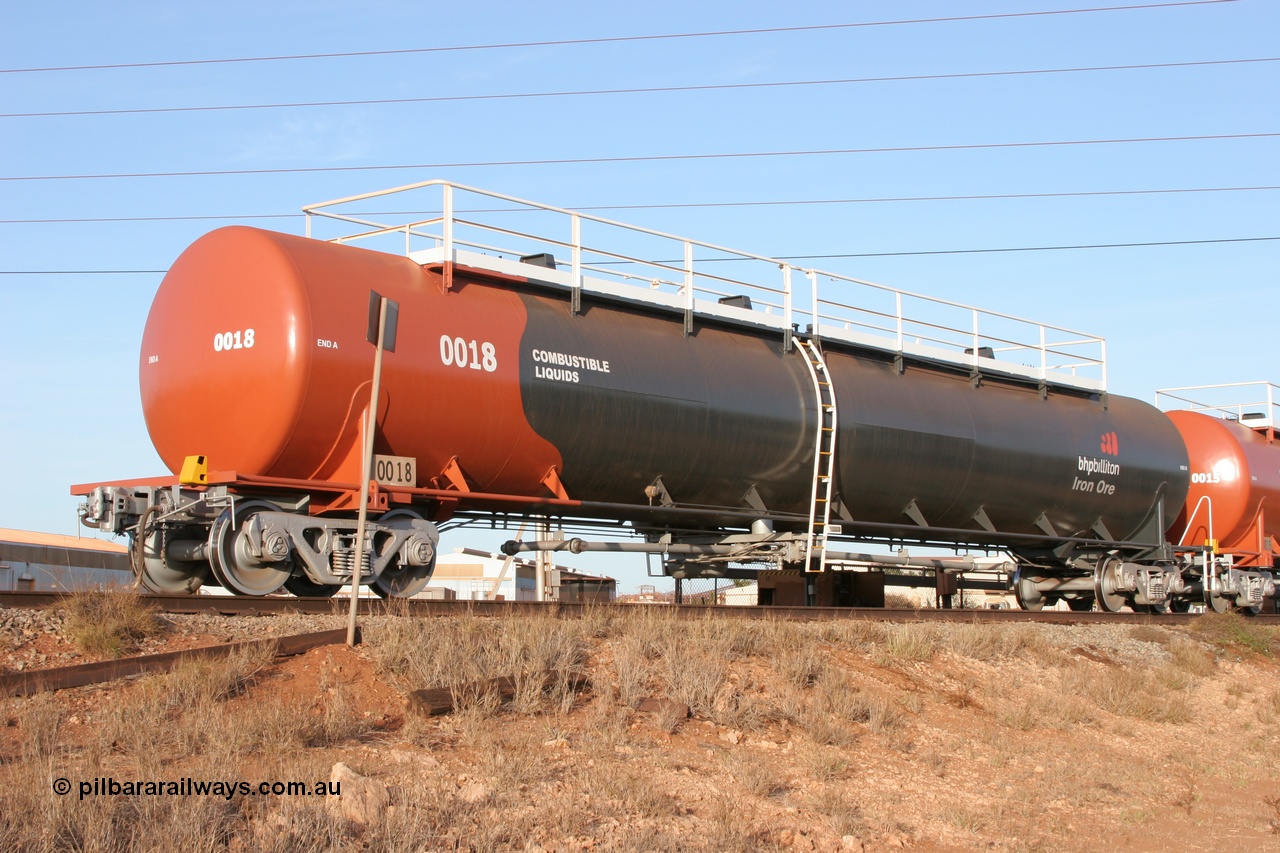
x=254 y=356
x=1235 y=489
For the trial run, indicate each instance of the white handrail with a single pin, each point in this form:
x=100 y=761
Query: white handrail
x=1058 y=360
x=1210 y=563
x=1204 y=499
x=1225 y=401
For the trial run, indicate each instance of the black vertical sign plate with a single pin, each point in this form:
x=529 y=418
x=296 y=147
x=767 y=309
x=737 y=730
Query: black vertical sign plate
x=393 y=316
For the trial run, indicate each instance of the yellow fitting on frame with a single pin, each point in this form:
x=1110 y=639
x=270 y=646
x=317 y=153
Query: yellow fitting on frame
x=195 y=471
x=1212 y=544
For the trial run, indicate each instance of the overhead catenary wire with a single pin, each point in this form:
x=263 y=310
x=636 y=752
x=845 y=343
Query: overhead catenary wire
x=830 y=256
x=613 y=39
x=644 y=158
x=920 y=253
x=659 y=206
x=772 y=84
x=1153 y=243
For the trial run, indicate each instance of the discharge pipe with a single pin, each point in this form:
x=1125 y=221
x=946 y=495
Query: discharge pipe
x=579 y=546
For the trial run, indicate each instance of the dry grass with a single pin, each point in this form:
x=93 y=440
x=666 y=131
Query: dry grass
x=40 y=719
x=1191 y=657
x=205 y=681
x=755 y=777
x=1267 y=708
x=1150 y=634
x=35 y=820
x=1273 y=813
x=338 y=721
x=671 y=716
x=911 y=642
x=841 y=812
x=1127 y=693
x=739 y=707
x=108 y=624
x=1233 y=632
x=632 y=668
x=854 y=635
x=801 y=665
x=1021 y=716
x=826 y=765
x=464 y=655
x=977 y=641
x=984 y=642
x=802 y=733
x=692 y=676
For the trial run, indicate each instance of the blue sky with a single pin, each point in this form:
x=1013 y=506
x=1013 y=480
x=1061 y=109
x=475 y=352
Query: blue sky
x=1172 y=315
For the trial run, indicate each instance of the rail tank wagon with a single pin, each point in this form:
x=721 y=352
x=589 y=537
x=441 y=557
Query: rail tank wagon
x=721 y=432
x=507 y=384
x=1233 y=505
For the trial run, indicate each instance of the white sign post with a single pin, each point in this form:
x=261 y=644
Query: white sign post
x=383 y=316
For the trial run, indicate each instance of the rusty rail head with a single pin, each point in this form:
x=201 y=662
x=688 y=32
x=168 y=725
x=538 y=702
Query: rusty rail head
x=63 y=677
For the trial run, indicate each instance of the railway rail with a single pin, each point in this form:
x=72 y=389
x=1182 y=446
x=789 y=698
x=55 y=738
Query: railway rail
x=79 y=675
x=265 y=606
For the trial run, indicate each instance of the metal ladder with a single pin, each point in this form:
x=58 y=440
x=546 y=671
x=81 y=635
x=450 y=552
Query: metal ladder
x=824 y=461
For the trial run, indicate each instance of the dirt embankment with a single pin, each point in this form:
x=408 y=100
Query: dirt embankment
x=767 y=735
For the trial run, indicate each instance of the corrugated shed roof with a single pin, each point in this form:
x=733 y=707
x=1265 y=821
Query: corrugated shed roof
x=57 y=540
x=574 y=574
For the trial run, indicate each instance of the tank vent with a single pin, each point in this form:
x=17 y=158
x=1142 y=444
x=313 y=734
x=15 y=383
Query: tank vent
x=546 y=260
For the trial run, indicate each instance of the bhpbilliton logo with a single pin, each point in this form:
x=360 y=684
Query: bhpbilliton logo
x=1110 y=444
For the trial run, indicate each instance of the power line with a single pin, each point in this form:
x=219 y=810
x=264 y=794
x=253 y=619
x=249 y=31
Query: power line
x=667 y=206
x=958 y=251
x=1154 y=243
x=608 y=39
x=891 y=199
x=637 y=90
x=652 y=158
x=207 y=217
x=1028 y=249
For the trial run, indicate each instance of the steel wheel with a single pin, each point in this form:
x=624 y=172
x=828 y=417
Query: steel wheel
x=1180 y=605
x=395 y=580
x=1217 y=603
x=1109 y=601
x=1024 y=590
x=1080 y=605
x=157 y=573
x=232 y=562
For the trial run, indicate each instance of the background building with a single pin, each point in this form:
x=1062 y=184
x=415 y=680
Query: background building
x=53 y=562
x=477 y=575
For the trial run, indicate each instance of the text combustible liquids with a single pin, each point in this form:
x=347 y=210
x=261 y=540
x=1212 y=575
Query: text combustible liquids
x=567 y=366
